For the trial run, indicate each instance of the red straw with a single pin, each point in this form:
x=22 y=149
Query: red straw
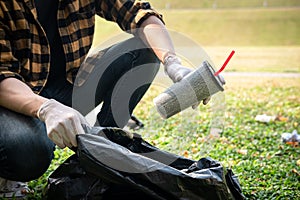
x=226 y=62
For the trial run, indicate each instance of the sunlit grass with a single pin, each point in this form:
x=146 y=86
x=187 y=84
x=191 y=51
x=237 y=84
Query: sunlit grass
x=267 y=168
x=192 y=4
x=226 y=27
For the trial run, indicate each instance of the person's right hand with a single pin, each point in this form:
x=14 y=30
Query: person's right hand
x=63 y=123
x=176 y=71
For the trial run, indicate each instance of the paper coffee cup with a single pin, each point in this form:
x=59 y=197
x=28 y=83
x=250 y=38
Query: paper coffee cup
x=193 y=88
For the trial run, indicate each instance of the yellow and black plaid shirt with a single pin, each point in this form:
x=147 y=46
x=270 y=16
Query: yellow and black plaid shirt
x=25 y=52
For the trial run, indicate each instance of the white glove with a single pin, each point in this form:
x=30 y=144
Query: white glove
x=63 y=123
x=174 y=68
x=176 y=71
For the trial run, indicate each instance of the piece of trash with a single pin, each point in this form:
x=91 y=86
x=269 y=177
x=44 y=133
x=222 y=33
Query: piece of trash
x=186 y=154
x=242 y=151
x=268 y=118
x=291 y=138
x=265 y=118
x=282 y=119
x=215 y=132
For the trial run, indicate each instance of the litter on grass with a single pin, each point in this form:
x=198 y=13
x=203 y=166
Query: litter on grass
x=291 y=138
x=270 y=118
x=265 y=118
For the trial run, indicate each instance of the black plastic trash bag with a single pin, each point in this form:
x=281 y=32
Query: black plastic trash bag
x=111 y=163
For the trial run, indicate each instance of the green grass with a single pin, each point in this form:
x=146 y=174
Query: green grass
x=267 y=168
x=265 y=40
x=254 y=150
x=239 y=27
x=227 y=27
x=179 y=4
x=284 y=59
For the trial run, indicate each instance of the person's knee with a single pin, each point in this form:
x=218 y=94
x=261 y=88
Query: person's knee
x=41 y=160
x=29 y=162
x=25 y=150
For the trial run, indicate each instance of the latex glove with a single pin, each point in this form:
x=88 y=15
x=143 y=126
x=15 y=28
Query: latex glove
x=176 y=71
x=174 y=68
x=63 y=123
x=205 y=102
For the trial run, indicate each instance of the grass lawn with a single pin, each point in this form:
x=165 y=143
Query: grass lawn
x=226 y=27
x=237 y=27
x=196 y=4
x=265 y=40
x=257 y=59
x=267 y=167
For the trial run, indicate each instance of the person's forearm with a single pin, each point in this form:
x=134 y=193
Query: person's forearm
x=154 y=33
x=17 y=96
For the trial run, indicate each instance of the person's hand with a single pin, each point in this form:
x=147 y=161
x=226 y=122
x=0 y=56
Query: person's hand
x=176 y=71
x=63 y=123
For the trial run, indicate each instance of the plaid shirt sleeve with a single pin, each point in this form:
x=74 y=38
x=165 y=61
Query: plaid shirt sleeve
x=9 y=65
x=128 y=14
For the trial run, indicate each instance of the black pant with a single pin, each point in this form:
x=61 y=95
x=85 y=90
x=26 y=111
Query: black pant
x=120 y=77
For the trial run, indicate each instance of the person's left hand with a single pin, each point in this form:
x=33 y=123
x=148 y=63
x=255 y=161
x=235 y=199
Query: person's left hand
x=63 y=123
x=176 y=72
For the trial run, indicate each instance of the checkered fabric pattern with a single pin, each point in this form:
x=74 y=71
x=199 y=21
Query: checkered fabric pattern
x=24 y=49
